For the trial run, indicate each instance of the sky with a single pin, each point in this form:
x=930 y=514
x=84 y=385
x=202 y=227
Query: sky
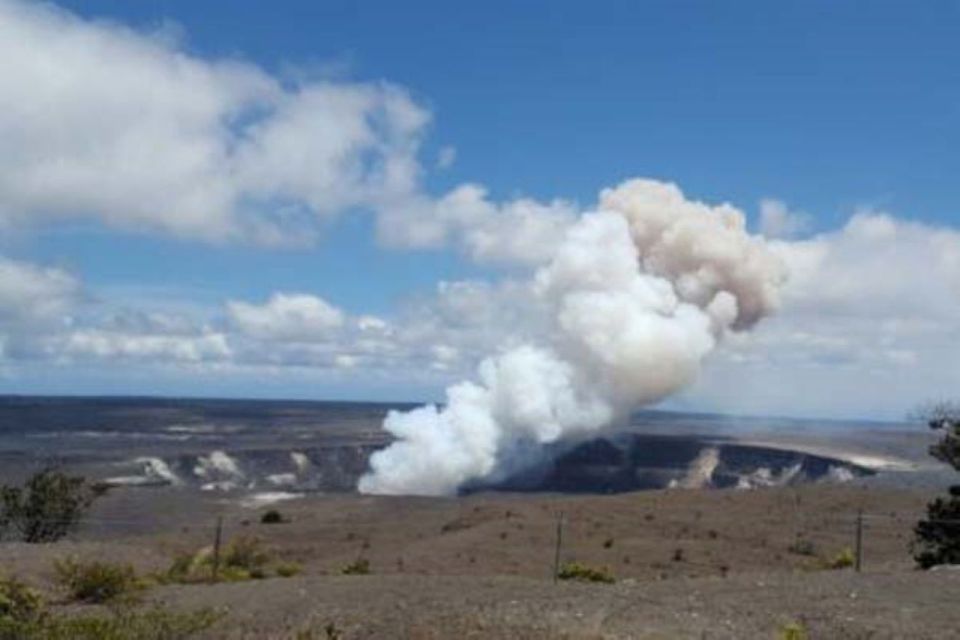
x=344 y=199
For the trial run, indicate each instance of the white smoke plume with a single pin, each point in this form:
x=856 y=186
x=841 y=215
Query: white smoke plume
x=636 y=295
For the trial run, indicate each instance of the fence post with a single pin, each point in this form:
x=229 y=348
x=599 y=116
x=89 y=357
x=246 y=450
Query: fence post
x=216 y=548
x=556 y=554
x=859 y=556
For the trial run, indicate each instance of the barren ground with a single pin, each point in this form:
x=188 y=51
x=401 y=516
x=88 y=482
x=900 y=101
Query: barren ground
x=689 y=564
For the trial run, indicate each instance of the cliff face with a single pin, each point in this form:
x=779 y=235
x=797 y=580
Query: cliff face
x=634 y=462
x=616 y=464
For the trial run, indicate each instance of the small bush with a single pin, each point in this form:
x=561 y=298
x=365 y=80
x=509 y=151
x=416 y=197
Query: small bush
x=359 y=567
x=19 y=603
x=272 y=517
x=288 y=569
x=155 y=624
x=843 y=559
x=802 y=547
x=583 y=573
x=47 y=507
x=183 y=569
x=608 y=543
x=23 y=616
x=96 y=582
x=245 y=552
x=793 y=631
x=243 y=558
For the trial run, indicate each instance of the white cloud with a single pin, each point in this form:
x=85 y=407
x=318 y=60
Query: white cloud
x=100 y=121
x=876 y=265
x=869 y=326
x=32 y=297
x=286 y=317
x=777 y=221
x=154 y=348
x=523 y=231
x=34 y=302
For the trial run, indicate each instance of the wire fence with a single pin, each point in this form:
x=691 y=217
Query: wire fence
x=564 y=537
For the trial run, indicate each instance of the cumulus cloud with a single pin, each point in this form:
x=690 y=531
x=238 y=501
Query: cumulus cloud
x=130 y=129
x=304 y=330
x=866 y=321
x=523 y=231
x=878 y=264
x=286 y=317
x=104 y=122
x=44 y=318
x=152 y=347
x=32 y=297
x=868 y=326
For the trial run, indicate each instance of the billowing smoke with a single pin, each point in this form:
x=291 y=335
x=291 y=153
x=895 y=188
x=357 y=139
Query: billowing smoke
x=635 y=296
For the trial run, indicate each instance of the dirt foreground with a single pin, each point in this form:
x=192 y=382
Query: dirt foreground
x=825 y=605
x=688 y=564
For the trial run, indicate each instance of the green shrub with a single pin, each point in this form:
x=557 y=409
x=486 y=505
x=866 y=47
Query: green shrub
x=47 y=507
x=272 y=517
x=288 y=569
x=802 y=547
x=11 y=629
x=155 y=624
x=18 y=602
x=843 y=559
x=793 y=631
x=96 y=582
x=179 y=570
x=937 y=539
x=23 y=616
x=243 y=558
x=359 y=567
x=245 y=552
x=583 y=573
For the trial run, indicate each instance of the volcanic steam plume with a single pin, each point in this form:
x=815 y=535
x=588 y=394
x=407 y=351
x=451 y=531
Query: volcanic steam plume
x=633 y=299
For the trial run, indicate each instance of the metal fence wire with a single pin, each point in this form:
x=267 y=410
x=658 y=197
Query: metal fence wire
x=855 y=529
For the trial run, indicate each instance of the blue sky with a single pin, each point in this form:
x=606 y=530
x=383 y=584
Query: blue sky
x=826 y=107
x=826 y=104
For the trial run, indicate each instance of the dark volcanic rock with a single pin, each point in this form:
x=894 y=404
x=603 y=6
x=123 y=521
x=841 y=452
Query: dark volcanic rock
x=632 y=462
